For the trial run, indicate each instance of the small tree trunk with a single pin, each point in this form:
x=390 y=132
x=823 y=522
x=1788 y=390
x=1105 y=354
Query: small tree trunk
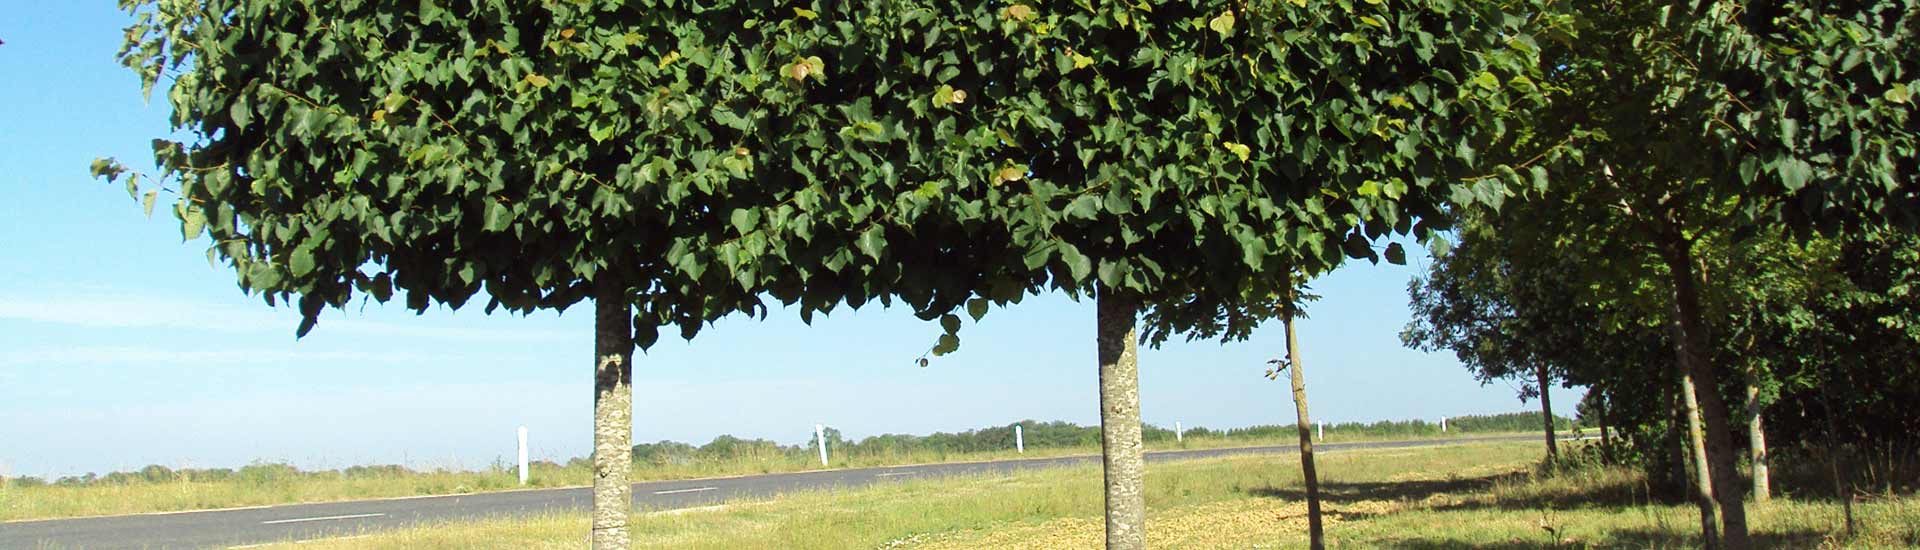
x=1702 y=470
x=612 y=415
x=1606 y=424
x=1677 y=446
x=1122 y=453
x=1316 y=537
x=1546 y=411
x=1690 y=347
x=1844 y=492
x=1757 y=441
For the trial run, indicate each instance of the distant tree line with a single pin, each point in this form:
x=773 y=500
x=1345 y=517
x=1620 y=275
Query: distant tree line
x=256 y=474
x=1051 y=435
x=1038 y=435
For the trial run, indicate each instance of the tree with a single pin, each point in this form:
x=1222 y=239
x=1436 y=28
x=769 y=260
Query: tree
x=1503 y=316
x=549 y=154
x=943 y=154
x=1707 y=117
x=1275 y=140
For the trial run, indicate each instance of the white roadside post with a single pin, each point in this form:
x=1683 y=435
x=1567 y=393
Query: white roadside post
x=1177 y=431
x=1322 y=427
x=523 y=455
x=1019 y=440
x=820 y=436
x=1443 y=424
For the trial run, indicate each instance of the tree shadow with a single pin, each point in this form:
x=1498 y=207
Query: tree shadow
x=1638 y=539
x=1472 y=489
x=1470 y=493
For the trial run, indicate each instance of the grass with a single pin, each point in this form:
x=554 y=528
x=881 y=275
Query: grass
x=183 y=493
x=1460 y=496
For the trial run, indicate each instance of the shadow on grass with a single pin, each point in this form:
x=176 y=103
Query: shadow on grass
x=1621 y=539
x=1471 y=493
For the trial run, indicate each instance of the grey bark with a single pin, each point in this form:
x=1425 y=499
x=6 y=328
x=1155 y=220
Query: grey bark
x=612 y=416
x=1546 y=411
x=1122 y=454
x=1702 y=470
x=1316 y=536
x=1757 y=442
x=1690 y=348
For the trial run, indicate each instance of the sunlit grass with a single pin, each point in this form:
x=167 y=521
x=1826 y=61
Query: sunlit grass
x=1463 y=496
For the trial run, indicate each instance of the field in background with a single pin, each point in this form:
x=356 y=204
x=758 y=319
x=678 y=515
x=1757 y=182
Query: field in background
x=160 y=489
x=1458 y=496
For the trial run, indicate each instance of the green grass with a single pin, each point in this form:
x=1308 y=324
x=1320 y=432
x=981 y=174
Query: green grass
x=1460 y=496
x=183 y=493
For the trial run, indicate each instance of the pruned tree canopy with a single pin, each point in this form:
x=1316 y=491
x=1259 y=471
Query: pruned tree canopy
x=931 y=150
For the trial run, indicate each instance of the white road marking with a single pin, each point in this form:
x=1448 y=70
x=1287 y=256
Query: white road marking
x=888 y=474
x=327 y=518
x=678 y=491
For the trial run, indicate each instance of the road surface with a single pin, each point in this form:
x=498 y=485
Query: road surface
x=243 y=527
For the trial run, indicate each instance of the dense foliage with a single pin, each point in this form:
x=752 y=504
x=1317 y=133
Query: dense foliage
x=1819 y=326
x=818 y=153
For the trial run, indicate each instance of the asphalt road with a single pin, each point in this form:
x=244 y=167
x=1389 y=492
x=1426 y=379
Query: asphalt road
x=251 y=526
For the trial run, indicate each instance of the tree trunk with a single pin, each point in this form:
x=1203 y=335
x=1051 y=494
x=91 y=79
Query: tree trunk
x=1677 y=446
x=1702 y=469
x=1315 y=534
x=1690 y=348
x=1122 y=453
x=1605 y=419
x=1757 y=441
x=1844 y=492
x=612 y=415
x=1546 y=412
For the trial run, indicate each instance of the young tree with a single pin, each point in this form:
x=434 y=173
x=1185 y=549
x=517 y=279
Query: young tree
x=1503 y=316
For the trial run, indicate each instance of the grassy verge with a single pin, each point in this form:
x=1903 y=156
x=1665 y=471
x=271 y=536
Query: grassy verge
x=183 y=493
x=1464 y=496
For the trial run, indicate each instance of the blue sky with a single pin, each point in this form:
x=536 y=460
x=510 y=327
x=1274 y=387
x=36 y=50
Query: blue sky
x=120 y=346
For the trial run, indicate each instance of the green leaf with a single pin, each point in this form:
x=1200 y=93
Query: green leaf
x=1897 y=94
x=977 y=308
x=1794 y=173
x=498 y=217
x=1370 y=189
x=1077 y=264
x=1487 y=81
x=240 y=114
x=301 y=263
x=806 y=13
x=873 y=242
x=948 y=344
x=950 y=323
x=1239 y=150
x=1222 y=24
x=1396 y=254
x=745 y=219
x=1081 y=61
x=192 y=221
x=146 y=202
x=1085 y=207
x=538 y=81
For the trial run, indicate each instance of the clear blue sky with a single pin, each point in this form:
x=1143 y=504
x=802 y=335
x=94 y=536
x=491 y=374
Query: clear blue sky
x=121 y=347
